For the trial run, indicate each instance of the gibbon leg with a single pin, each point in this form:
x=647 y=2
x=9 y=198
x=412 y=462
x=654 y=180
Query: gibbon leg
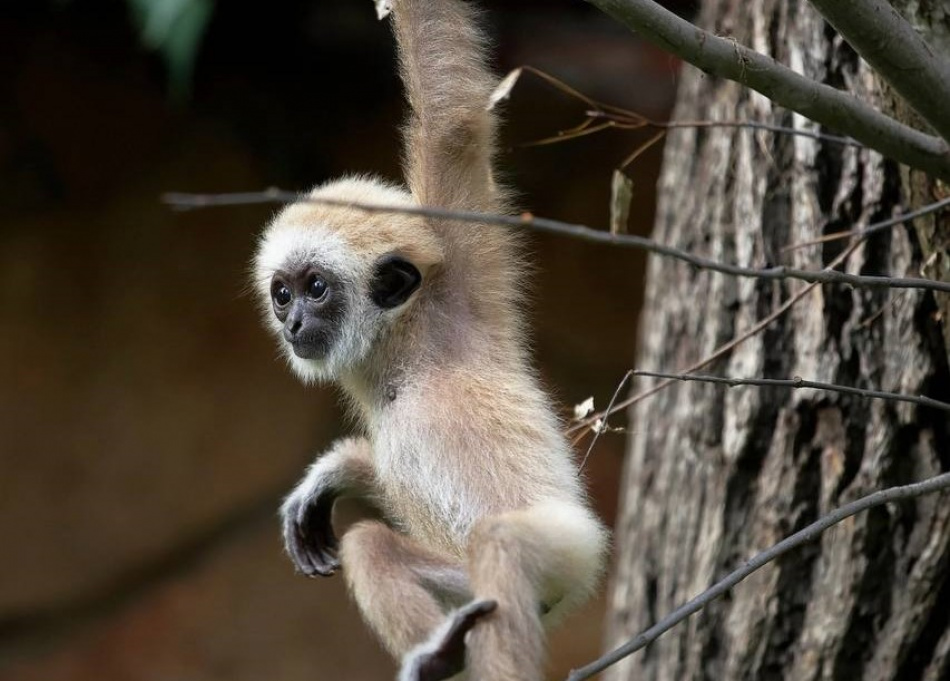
x=402 y=589
x=538 y=561
x=541 y=560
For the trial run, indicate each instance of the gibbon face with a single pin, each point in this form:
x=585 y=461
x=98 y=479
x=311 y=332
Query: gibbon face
x=333 y=278
x=310 y=303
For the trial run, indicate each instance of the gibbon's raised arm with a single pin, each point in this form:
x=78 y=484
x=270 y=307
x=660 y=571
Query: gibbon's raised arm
x=450 y=136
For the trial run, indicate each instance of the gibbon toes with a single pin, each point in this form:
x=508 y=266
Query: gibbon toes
x=443 y=655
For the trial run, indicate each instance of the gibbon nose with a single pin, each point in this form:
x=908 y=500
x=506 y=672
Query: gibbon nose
x=293 y=325
x=290 y=331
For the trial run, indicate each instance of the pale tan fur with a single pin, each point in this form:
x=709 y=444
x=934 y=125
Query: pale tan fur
x=470 y=465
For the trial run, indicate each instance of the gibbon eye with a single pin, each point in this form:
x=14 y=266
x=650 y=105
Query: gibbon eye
x=281 y=294
x=316 y=287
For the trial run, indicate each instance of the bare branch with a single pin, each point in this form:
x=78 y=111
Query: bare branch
x=796 y=383
x=722 y=349
x=781 y=129
x=876 y=227
x=825 y=276
x=878 y=32
x=607 y=412
x=822 y=103
x=637 y=121
x=704 y=362
x=625 y=119
x=656 y=137
x=810 y=533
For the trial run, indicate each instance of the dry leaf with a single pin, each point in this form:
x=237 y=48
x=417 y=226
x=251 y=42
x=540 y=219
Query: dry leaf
x=621 y=195
x=383 y=8
x=504 y=88
x=583 y=409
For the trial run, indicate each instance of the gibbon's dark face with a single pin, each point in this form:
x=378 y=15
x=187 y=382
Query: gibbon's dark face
x=311 y=303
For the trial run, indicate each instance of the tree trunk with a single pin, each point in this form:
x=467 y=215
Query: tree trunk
x=713 y=474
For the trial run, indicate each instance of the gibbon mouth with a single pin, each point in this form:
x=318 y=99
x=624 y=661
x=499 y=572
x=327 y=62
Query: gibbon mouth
x=306 y=349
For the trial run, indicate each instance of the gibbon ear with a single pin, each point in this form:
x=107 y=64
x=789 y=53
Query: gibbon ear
x=394 y=280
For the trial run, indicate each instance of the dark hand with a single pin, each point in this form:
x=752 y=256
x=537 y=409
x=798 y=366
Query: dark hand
x=308 y=533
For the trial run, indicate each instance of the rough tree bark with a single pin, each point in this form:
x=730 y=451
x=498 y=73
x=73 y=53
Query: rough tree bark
x=714 y=475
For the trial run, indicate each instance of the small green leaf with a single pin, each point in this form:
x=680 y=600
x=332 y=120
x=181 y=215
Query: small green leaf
x=174 y=29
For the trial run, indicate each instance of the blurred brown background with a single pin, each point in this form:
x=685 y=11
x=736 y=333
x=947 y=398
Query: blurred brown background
x=147 y=429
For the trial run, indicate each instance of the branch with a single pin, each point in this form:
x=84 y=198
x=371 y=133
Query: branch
x=636 y=121
x=876 y=227
x=796 y=383
x=897 y=52
x=781 y=129
x=722 y=349
x=825 y=276
x=624 y=119
x=810 y=533
x=822 y=103
x=603 y=426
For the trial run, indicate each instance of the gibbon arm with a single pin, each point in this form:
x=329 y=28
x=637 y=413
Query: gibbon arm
x=449 y=137
x=345 y=470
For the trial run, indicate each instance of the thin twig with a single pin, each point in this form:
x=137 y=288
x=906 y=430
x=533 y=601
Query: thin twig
x=810 y=533
x=657 y=136
x=870 y=319
x=876 y=227
x=706 y=361
x=568 y=90
x=832 y=108
x=617 y=118
x=603 y=425
x=639 y=121
x=722 y=349
x=897 y=52
x=769 y=127
x=859 y=235
x=565 y=135
x=626 y=119
x=825 y=276
x=631 y=120
x=796 y=383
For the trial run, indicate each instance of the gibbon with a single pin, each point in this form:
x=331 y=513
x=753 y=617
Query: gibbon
x=488 y=536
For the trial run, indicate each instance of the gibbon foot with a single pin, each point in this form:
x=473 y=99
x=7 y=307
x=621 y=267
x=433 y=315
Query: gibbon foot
x=443 y=656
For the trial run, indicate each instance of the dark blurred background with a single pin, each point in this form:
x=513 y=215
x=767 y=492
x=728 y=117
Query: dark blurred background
x=147 y=428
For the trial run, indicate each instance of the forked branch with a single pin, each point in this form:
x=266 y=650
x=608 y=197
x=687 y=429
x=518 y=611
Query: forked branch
x=822 y=103
x=877 y=31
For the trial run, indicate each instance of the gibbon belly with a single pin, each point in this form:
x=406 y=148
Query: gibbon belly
x=439 y=479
